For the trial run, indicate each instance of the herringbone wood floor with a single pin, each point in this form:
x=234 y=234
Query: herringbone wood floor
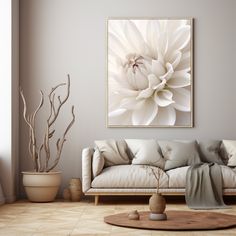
x=83 y=218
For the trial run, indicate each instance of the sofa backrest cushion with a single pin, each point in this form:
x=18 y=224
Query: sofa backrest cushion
x=179 y=154
x=114 y=152
x=210 y=151
x=97 y=163
x=230 y=150
x=145 y=152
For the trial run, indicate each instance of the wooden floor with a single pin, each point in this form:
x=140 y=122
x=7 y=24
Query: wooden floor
x=83 y=218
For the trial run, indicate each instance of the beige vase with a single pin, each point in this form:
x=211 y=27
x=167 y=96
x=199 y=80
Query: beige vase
x=41 y=186
x=75 y=188
x=157 y=203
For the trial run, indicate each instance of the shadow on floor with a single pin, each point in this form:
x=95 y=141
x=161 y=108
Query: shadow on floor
x=144 y=199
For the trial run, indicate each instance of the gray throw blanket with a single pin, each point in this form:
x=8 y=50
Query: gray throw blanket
x=204 y=187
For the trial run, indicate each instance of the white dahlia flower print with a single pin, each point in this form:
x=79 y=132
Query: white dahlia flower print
x=149 y=73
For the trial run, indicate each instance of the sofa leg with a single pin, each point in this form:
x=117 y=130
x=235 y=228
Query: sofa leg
x=96 y=200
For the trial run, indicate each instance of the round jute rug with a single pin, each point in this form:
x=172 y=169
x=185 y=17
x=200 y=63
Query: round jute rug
x=176 y=220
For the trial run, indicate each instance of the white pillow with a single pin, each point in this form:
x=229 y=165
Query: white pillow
x=114 y=152
x=179 y=154
x=230 y=148
x=98 y=163
x=145 y=152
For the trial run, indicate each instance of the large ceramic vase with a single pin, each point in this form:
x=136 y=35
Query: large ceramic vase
x=157 y=206
x=41 y=186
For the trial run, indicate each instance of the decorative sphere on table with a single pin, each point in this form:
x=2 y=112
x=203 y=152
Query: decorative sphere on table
x=134 y=215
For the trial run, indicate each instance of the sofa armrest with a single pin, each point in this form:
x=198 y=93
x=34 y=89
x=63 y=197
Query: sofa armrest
x=87 y=155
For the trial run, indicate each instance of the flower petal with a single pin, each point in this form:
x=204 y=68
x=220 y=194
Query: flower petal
x=163 y=43
x=137 y=80
x=168 y=94
x=145 y=114
x=160 y=86
x=163 y=98
x=157 y=68
x=130 y=103
x=165 y=116
x=182 y=99
x=146 y=93
x=184 y=64
x=127 y=92
x=141 y=80
x=175 y=59
x=134 y=37
x=120 y=118
x=169 y=72
x=152 y=32
x=153 y=81
x=173 y=25
x=181 y=38
x=179 y=79
x=116 y=46
x=117 y=112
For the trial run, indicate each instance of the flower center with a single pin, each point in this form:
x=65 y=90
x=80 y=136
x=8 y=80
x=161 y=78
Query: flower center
x=134 y=61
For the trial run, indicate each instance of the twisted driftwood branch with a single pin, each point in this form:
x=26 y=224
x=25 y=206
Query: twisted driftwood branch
x=30 y=121
x=34 y=151
x=60 y=142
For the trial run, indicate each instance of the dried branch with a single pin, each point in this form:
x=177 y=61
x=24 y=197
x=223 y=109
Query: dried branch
x=31 y=130
x=60 y=102
x=25 y=109
x=34 y=151
x=30 y=144
x=54 y=112
x=38 y=108
x=39 y=158
x=60 y=142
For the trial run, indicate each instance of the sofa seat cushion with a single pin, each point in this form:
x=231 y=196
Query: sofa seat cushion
x=128 y=176
x=177 y=177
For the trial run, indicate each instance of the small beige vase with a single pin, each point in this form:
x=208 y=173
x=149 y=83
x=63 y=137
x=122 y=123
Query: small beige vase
x=75 y=188
x=41 y=186
x=157 y=203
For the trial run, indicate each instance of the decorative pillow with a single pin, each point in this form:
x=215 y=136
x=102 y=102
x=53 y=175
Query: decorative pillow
x=210 y=151
x=98 y=162
x=230 y=148
x=145 y=152
x=114 y=152
x=179 y=154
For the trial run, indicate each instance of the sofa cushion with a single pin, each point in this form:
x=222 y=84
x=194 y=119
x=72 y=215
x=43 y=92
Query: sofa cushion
x=230 y=149
x=210 y=151
x=179 y=154
x=145 y=152
x=128 y=176
x=114 y=152
x=97 y=163
x=177 y=177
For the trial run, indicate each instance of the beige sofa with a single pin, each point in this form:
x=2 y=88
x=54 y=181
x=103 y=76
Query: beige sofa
x=132 y=179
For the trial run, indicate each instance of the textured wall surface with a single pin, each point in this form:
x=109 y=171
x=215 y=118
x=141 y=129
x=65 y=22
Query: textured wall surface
x=69 y=36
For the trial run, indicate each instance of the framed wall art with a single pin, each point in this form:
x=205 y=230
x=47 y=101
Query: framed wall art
x=150 y=72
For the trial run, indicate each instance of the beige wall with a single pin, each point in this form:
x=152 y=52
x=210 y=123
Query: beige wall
x=69 y=36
